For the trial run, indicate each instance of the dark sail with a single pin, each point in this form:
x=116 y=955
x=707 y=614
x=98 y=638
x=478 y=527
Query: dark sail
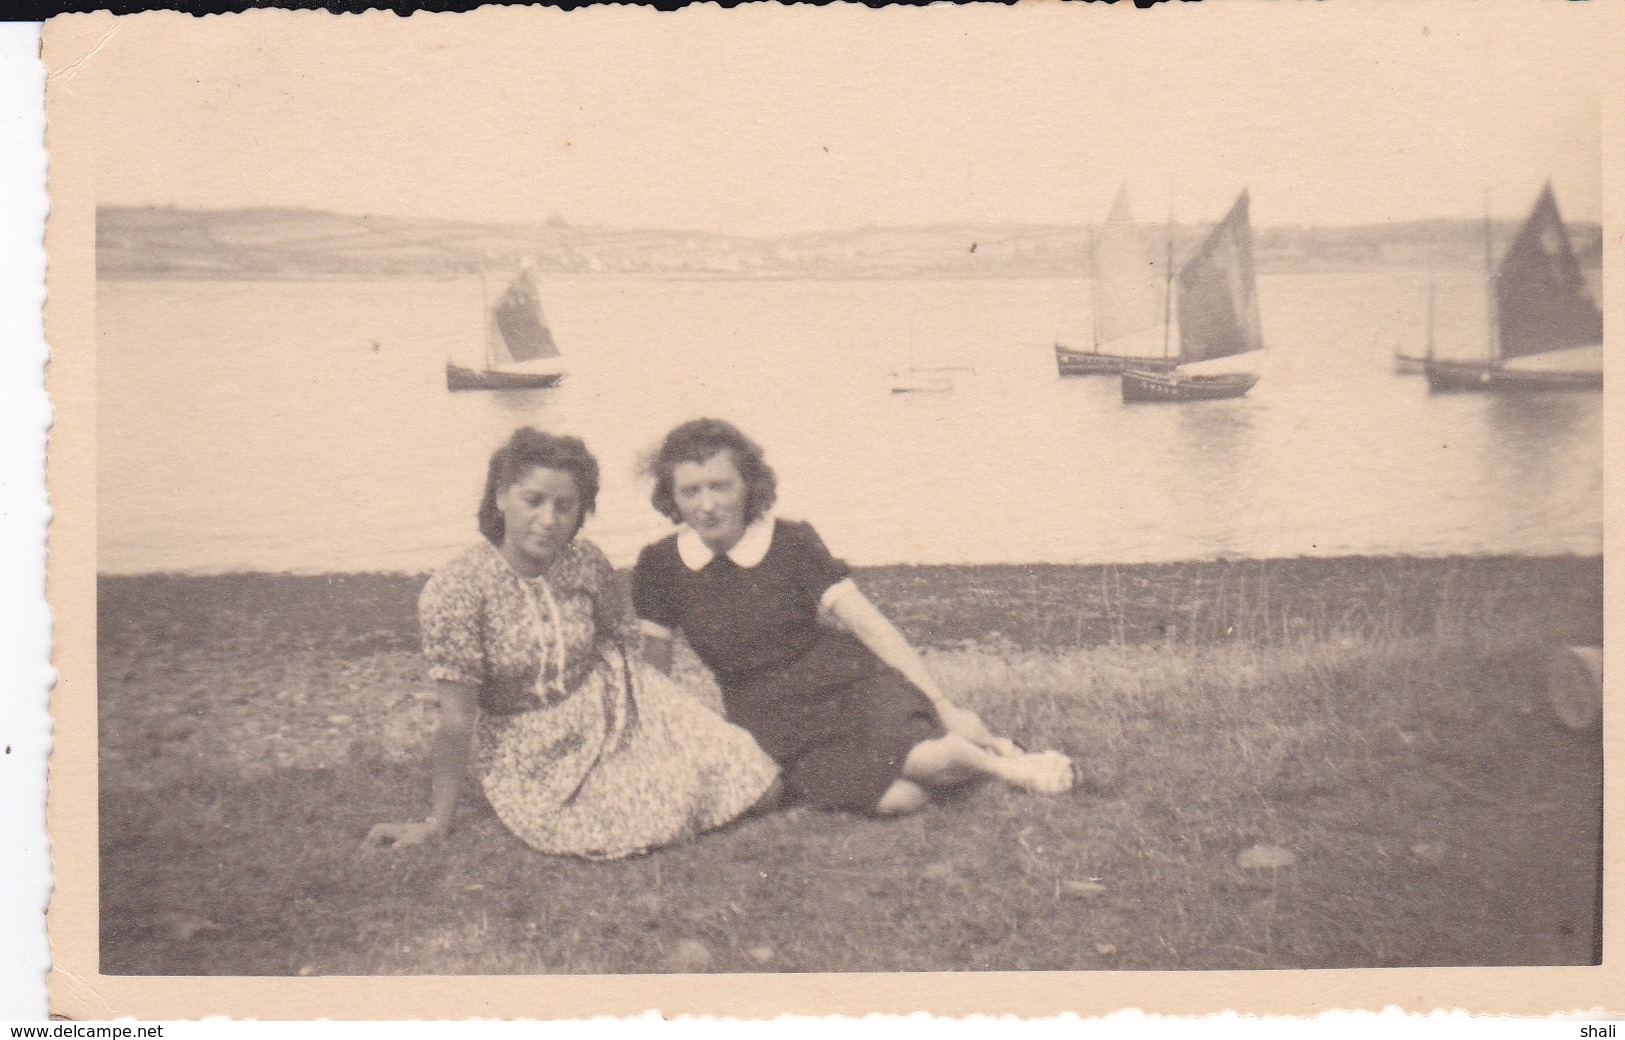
x=1540 y=293
x=1218 y=293
x=518 y=320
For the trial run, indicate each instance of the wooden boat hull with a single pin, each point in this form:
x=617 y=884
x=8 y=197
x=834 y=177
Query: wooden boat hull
x=1147 y=387
x=1464 y=376
x=1142 y=386
x=460 y=378
x=1512 y=380
x=1448 y=377
x=1093 y=363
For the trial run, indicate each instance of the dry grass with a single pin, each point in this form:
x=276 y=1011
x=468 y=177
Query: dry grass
x=1396 y=747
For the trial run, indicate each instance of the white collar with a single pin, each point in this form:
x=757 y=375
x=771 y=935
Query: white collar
x=750 y=550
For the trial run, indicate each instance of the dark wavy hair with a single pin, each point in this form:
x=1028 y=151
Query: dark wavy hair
x=698 y=440
x=528 y=449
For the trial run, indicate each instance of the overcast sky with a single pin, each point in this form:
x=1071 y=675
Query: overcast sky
x=771 y=119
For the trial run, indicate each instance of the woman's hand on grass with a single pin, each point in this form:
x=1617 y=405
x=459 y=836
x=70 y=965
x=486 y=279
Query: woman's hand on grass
x=401 y=835
x=968 y=724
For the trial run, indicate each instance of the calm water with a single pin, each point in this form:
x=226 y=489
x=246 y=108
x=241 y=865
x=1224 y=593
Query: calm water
x=255 y=425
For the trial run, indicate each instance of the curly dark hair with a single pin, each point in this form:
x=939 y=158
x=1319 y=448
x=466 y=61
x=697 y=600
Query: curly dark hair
x=698 y=440
x=528 y=449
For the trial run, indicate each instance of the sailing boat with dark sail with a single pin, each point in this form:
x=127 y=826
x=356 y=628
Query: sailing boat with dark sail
x=1542 y=316
x=1129 y=289
x=519 y=350
x=1218 y=319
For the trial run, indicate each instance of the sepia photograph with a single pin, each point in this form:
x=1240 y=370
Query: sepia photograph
x=797 y=509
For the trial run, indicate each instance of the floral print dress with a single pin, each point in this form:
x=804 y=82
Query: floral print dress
x=581 y=748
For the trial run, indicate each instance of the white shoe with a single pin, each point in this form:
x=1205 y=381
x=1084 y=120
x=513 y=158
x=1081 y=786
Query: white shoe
x=1043 y=772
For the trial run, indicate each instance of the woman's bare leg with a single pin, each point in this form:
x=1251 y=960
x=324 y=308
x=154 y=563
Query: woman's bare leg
x=901 y=798
x=951 y=759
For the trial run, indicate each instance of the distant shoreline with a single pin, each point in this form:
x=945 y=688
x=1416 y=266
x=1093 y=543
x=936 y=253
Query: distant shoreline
x=658 y=276
x=161 y=242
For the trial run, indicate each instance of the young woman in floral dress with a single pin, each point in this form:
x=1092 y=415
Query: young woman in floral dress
x=581 y=748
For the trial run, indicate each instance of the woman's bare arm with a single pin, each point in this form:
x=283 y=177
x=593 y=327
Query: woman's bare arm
x=851 y=609
x=452 y=752
x=453 y=748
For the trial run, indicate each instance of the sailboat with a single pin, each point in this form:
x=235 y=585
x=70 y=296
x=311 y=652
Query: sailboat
x=1218 y=318
x=519 y=350
x=1129 y=288
x=1539 y=305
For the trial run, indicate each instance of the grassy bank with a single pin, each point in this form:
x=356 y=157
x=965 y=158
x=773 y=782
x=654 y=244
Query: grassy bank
x=1377 y=718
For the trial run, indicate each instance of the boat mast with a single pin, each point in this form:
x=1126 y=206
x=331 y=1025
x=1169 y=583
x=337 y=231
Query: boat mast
x=1094 y=294
x=1491 y=318
x=1168 y=285
x=1431 y=290
x=485 y=316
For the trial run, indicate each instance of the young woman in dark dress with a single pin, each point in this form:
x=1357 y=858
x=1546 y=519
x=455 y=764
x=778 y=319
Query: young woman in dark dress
x=824 y=682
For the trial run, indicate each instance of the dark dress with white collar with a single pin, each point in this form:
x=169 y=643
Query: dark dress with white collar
x=838 y=720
